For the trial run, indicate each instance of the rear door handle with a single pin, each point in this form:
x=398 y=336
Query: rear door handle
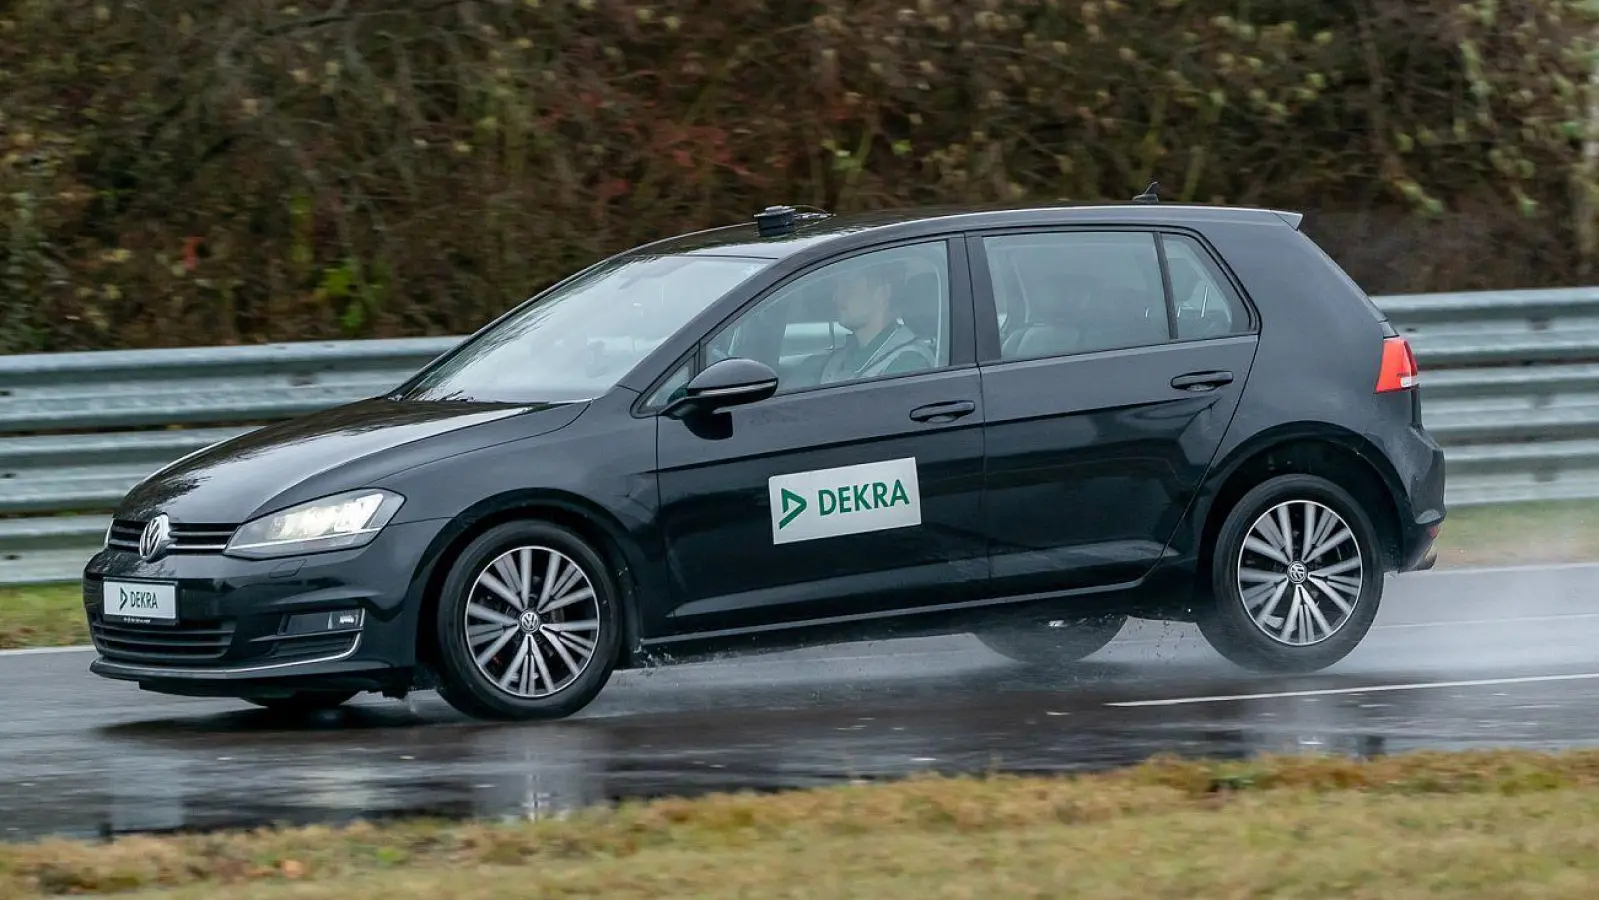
x=943 y=412
x=1201 y=381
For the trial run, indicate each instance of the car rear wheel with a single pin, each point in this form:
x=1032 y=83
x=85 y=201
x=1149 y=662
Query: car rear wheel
x=528 y=624
x=1054 y=642
x=304 y=702
x=1296 y=577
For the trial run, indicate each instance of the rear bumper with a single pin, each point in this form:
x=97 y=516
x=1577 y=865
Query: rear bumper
x=1427 y=561
x=1418 y=462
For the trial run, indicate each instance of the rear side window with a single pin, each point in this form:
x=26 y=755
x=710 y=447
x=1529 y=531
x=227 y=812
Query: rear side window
x=1077 y=292
x=1071 y=292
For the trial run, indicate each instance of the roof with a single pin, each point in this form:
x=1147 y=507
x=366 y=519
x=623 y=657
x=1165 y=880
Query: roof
x=745 y=239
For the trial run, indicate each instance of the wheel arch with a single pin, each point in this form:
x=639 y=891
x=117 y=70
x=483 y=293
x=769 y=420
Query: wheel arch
x=601 y=529
x=1340 y=455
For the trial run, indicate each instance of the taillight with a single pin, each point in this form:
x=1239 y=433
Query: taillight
x=1399 y=371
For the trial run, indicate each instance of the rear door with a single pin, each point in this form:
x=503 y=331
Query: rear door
x=1112 y=362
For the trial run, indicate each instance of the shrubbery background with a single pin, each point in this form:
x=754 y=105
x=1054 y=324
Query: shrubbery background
x=217 y=171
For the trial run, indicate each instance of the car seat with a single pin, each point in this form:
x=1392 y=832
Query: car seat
x=1053 y=315
x=918 y=301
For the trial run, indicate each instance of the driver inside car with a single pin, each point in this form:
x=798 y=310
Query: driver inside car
x=879 y=343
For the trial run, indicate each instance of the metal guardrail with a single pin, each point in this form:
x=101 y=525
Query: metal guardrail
x=1510 y=387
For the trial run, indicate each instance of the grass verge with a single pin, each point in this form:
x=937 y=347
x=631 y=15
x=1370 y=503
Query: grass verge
x=45 y=616
x=1427 y=825
x=1517 y=534
x=1520 y=533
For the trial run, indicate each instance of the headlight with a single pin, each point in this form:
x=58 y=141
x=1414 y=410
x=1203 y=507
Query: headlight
x=332 y=523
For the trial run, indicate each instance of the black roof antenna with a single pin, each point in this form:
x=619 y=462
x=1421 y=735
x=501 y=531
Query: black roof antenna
x=1149 y=195
x=779 y=220
x=775 y=220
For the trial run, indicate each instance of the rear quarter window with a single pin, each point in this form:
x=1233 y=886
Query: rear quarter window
x=1203 y=300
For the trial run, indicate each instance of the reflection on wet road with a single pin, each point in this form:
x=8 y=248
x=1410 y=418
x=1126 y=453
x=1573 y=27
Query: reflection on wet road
x=1492 y=658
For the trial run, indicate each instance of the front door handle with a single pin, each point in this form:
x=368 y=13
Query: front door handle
x=943 y=412
x=1201 y=381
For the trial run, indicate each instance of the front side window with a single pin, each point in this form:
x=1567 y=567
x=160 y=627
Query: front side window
x=877 y=314
x=577 y=342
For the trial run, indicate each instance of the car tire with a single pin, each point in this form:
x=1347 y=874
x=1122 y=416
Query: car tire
x=531 y=669
x=1254 y=576
x=1055 y=642
x=304 y=702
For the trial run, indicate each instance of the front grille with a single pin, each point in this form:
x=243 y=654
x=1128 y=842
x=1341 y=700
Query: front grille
x=190 y=538
x=189 y=642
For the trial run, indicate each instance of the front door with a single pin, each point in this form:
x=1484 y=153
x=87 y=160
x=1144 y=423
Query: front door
x=1113 y=361
x=856 y=489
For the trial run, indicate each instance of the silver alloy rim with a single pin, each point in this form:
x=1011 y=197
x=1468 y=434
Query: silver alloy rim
x=1303 y=555
x=532 y=622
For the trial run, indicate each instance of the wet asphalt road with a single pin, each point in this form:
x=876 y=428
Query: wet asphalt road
x=84 y=757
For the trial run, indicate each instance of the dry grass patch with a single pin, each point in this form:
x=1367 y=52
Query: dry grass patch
x=1468 y=825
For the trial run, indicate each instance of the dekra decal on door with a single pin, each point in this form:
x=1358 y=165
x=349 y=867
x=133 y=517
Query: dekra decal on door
x=825 y=503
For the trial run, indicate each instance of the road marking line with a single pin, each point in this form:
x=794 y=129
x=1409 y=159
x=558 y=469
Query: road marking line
x=1374 y=689
x=41 y=651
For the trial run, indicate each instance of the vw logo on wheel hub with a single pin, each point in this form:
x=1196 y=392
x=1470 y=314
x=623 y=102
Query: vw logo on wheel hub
x=529 y=621
x=1297 y=573
x=155 y=540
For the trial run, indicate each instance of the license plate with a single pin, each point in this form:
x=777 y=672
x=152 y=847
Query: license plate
x=141 y=602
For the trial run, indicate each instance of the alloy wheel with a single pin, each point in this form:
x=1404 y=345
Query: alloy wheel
x=532 y=621
x=1299 y=573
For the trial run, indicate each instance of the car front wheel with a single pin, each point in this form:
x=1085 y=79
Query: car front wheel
x=1296 y=577
x=528 y=624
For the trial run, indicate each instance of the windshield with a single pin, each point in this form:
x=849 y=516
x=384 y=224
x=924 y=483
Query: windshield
x=578 y=342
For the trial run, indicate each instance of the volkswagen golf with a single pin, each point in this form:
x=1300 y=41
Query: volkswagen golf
x=1026 y=424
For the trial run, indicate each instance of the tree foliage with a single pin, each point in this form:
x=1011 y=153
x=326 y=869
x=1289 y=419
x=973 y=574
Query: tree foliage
x=217 y=171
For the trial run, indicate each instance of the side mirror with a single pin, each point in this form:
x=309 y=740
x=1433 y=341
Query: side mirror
x=730 y=382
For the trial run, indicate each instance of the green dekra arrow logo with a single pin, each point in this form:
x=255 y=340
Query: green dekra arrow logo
x=793 y=505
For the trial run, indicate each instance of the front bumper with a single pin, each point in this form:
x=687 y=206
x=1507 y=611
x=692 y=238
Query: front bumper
x=344 y=620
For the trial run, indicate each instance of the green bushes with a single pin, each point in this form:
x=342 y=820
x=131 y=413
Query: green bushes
x=192 y=172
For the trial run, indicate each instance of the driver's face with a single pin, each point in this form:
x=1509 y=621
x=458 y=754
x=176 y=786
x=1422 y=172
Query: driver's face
x=859 y=301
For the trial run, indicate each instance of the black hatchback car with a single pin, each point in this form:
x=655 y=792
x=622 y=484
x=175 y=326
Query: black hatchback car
x=1026 y=424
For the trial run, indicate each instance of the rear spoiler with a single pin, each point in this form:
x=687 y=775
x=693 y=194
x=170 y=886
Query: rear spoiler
x=1294 y=219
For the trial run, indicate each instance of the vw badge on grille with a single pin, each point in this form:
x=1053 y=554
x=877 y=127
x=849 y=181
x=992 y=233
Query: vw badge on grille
x=157 y=537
